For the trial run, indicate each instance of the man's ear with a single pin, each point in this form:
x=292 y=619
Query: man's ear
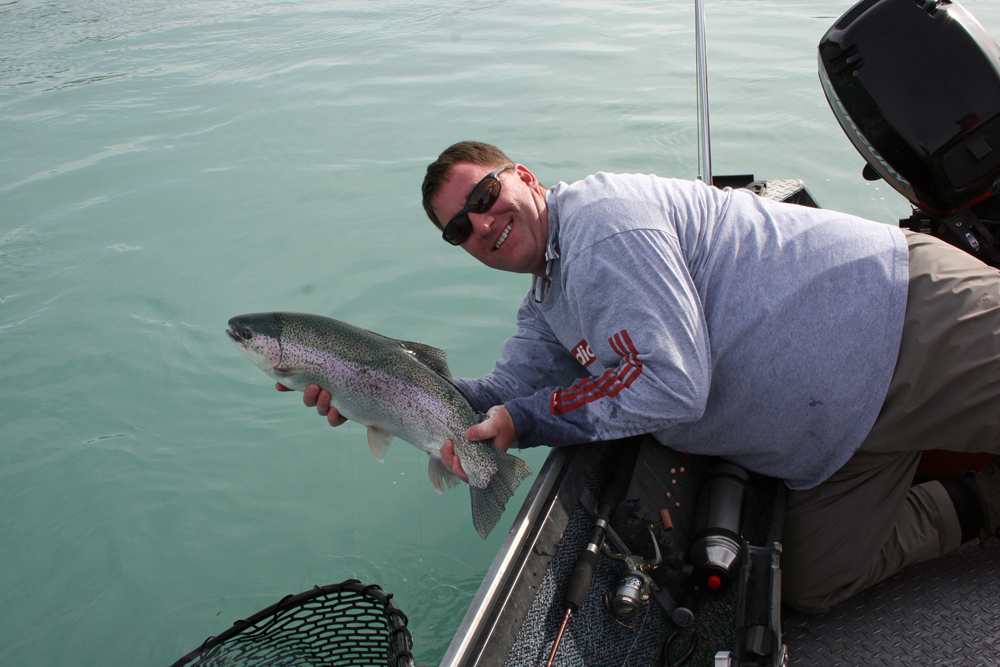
x=525 y=175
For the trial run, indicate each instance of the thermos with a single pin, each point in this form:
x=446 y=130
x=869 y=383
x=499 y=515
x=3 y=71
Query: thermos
x=718 y=537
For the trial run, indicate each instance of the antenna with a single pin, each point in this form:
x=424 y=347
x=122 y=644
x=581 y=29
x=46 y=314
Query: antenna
x=704 y=141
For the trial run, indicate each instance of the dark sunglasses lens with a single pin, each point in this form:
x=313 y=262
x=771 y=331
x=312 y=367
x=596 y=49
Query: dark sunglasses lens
x=484 y=195
x=480 y=200
x=457 y=230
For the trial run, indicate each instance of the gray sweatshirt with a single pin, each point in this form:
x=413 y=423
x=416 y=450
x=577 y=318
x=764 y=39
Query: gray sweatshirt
x=722 y=323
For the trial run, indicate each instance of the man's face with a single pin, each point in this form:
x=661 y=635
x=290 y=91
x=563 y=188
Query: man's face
x=510 y=236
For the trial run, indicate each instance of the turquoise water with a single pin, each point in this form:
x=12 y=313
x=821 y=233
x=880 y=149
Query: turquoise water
x=165 y=166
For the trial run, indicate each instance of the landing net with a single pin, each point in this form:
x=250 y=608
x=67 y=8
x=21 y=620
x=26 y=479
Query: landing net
x=347 y=624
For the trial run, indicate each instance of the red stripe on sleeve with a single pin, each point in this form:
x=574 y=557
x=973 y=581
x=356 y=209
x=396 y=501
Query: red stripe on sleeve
x=588 y=390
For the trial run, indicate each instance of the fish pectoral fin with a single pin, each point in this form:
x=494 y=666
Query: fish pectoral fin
x=440 y=476
x=379 y=440
x=287 y=372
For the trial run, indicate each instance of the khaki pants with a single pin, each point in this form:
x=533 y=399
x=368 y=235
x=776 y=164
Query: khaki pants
x=866 y=522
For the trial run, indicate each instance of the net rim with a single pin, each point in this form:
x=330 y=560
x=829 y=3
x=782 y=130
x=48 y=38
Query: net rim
x=399 y=636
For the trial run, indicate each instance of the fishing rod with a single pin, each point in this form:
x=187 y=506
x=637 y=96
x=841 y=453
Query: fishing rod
x=701 y=71
x=586 y=563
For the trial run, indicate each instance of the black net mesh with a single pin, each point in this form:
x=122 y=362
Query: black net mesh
x=347 y=624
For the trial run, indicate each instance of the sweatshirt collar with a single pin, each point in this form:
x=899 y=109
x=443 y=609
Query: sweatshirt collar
x=540 y=285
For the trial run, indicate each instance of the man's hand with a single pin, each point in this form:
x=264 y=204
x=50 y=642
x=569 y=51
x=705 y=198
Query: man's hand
x=498 y=426
x=316 y=397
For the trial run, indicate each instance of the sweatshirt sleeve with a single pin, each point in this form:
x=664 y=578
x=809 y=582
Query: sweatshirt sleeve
x=640 y=310
x=530 y=360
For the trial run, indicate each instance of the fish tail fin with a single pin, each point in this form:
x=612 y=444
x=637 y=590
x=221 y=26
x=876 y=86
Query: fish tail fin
x=489 y=502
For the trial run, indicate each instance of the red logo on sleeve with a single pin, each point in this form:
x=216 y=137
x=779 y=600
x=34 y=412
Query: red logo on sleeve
x=613 y=381
x=583 y=353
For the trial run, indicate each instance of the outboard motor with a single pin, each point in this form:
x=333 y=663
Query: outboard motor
x=915 y=84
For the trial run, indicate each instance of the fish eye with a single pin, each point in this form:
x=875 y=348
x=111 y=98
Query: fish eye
x=244 y=333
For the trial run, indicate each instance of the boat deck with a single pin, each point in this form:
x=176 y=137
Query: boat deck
x=940 y=612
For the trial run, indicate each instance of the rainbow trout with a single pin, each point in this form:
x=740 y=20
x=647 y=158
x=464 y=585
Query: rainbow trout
x=394 y=387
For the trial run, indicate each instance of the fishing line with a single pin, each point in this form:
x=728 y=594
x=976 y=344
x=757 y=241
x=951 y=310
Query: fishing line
x=354 y=490
x=638 y=634
x=422 y=500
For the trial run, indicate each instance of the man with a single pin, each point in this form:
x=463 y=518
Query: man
x=808 y=345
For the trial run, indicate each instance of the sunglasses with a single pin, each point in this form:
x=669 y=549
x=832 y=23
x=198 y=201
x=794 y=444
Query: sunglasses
x=480 y=200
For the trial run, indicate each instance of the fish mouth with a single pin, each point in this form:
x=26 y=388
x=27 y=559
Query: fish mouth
x=259 y=348
x=503 y=236
x=241 y=335
x=235 y=337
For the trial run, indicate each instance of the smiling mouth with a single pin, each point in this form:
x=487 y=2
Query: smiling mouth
x=503 y=237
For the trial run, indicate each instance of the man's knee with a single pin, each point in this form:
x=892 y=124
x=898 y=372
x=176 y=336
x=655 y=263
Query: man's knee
x=818 y=574
x=806 y=589
x=803 y=595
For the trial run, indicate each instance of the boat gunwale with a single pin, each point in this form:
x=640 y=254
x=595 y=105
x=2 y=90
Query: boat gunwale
x=533 y=538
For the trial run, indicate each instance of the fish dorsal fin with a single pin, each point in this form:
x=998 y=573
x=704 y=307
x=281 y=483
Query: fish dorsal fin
x=379 y=440
x=429 y=355
x=435 y=358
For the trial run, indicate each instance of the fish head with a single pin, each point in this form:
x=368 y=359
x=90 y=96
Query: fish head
x=258 y=336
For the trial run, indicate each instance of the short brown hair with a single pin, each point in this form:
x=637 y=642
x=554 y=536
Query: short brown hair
x=464 y=151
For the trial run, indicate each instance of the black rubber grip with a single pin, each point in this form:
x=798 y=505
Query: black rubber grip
x=580 y=579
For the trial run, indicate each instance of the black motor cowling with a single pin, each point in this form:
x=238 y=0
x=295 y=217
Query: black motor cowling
x=916 y=86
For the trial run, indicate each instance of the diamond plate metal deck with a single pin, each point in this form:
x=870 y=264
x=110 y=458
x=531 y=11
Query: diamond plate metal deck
x=942 y=612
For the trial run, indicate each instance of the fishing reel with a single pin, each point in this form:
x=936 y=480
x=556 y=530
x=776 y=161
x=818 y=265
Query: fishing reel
x=634 y=587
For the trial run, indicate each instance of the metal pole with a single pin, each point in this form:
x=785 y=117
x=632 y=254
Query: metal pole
x=704 y=142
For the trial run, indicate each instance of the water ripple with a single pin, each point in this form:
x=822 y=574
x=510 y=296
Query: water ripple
x=74 y=165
